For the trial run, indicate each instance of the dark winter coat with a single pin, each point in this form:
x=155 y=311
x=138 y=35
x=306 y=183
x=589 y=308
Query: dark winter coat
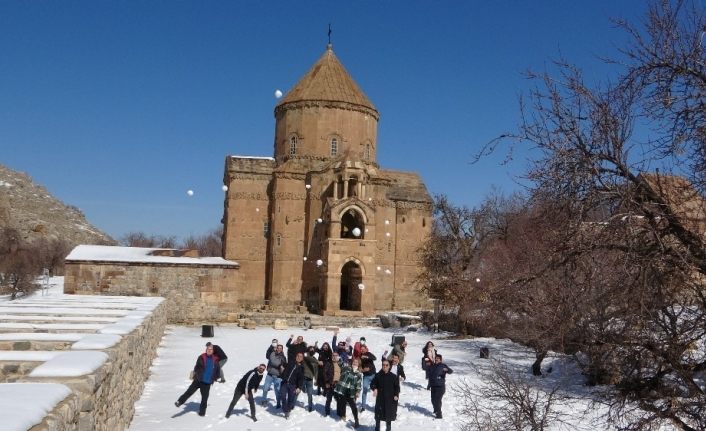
x=400 y=371
x=325 y=356
x=367 y=361
x=201 y=365
x=293 y=349
x=219 y=352
x=326 y=375
x=388 y=387
x=294 y=375
x=249 y=382
x=437 y=374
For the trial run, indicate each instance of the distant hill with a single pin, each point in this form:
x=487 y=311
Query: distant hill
x=36 y=214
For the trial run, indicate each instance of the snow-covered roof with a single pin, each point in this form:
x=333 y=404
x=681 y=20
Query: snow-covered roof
x=25 y=405
x=108 y=253
x=253 y=157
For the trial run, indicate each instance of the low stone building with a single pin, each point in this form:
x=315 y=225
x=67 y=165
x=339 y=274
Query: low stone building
x=196 y=288
x=321 y=223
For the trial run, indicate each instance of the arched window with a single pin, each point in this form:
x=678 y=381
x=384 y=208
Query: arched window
x=334 y=147
x=352 y=225
x=292 y=145
x=366 y=155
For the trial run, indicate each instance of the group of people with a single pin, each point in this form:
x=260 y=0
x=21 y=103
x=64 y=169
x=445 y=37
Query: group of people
x=341 y=371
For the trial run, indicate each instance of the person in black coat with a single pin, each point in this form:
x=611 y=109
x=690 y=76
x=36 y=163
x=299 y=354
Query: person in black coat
x=298 y=346
x=222 y=359
x=386 y=389
x=437 y=380
x=292 y=383
x=246 y=386
x=205 y=373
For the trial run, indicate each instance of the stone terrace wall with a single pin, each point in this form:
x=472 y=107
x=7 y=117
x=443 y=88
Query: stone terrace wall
x=194 y=293
x=105 y=398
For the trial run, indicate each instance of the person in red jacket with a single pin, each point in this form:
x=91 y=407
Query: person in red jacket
x=206 y=371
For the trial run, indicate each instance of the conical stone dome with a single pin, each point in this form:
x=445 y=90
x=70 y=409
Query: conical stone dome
x=327 y=84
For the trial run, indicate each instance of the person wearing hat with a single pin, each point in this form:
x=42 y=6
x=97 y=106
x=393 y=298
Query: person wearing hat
x=245 y=387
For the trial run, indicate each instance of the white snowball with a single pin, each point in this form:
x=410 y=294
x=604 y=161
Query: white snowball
x=224 y=188
x=190 y=192
x=257 y=209
x=308 y=186
x=278 y=94
x=477 y=280
x=356 y=231
x=388 y=272
x=379 y=268
x=305 y=258
x=387 y=221
x=319 y=220
x=361 y=286
x=387 y=234
x=319 y=262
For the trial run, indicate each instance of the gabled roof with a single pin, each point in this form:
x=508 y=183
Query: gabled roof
x=328 y=81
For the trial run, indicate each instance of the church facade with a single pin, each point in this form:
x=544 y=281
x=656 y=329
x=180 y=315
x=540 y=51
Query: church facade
x=321 y=224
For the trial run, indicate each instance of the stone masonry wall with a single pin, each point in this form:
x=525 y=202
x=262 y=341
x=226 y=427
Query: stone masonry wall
x=104 y=400
x=193 y=293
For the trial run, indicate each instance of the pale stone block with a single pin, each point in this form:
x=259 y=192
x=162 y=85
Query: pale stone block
x=280 y=324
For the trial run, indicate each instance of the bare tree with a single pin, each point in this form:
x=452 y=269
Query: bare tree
x=644 y=261
x=510 y=400
x=19 y=265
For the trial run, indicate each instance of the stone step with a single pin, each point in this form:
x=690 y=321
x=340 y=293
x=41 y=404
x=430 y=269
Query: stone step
x=11 y=371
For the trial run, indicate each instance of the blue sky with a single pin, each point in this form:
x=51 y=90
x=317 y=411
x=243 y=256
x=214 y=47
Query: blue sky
x=120 y=107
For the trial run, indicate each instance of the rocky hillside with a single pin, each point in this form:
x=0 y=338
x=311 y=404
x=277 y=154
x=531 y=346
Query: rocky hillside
x=36 y=214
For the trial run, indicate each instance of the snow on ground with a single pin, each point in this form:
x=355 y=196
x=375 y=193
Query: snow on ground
x=246 y=349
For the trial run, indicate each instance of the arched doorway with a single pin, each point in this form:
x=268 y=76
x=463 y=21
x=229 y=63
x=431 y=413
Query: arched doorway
x=351 y=277
x=352 y=225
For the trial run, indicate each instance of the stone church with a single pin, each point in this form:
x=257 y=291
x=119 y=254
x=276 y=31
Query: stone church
x=321 y=224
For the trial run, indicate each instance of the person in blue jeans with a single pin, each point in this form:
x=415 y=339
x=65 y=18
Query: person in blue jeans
x=311 y=372
x=367 y=365
x=276 y=363
x=292 y=383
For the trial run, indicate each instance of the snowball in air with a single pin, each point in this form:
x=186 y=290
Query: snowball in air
x=278 y=94
x=190 y=192
x=387 y=221
x=224 y=188
x=308 y=186
x=319 y=220
x=305 y=258
x=356 y=231
x=477 y=280
x=379 y=268
x=319 y=262
x=387 y=234
x=257 y=209
x=361 y=286
x=388 y=272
